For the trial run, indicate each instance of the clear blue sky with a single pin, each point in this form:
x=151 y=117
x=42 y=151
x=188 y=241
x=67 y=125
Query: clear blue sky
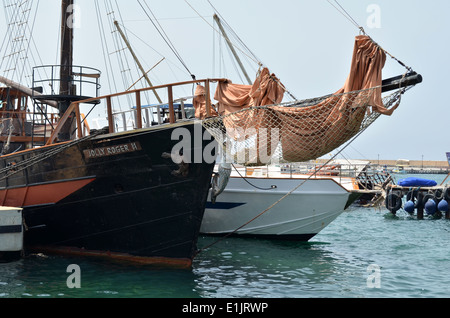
x=306 y=43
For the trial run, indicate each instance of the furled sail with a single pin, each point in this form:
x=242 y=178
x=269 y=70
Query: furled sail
x=256 y=129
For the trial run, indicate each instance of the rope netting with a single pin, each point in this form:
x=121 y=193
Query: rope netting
x=296 y=131
x=253 y=127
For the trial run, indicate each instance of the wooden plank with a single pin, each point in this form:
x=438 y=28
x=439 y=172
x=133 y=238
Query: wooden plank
x=110 y=114
x=61 y=123
x=138 y=110
x=152 y=88
x=78 y=118
x=22 y=139
x=171 y=109
x=208 y=100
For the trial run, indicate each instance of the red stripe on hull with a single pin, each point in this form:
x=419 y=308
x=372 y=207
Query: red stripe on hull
x=180 y=263
x=49 y=193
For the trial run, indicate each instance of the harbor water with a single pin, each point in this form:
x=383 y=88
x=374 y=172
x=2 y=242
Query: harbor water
x=364 y=253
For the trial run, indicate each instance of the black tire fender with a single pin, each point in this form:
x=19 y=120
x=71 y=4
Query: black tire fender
x=393 y=202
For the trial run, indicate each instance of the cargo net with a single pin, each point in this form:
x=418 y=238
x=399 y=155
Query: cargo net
x=296 y=131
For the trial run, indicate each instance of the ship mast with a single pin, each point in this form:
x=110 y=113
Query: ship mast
x=66 y=48
x=75 y=83
x=66 y=63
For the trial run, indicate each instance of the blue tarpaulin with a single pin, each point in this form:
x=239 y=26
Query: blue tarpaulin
x=416 y=182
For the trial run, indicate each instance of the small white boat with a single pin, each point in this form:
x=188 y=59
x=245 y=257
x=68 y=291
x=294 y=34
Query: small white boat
x=300 y=216
x=11 y=233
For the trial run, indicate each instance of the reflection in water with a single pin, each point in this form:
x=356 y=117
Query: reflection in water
x=37 y=277
x=261 y=268
x=411 y=254
x=11 y=286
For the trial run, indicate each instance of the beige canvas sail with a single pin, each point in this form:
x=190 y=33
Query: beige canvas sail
x=253 y=120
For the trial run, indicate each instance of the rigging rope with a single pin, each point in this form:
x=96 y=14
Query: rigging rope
x=122 y=61
x=251 y=184
x=18 y=39
x=25 y=164
x=248 y=54
x=164 y=36
x=344 y=12
x=218 y=32
x=254 y=57
x=347 y=15
x=104 y=44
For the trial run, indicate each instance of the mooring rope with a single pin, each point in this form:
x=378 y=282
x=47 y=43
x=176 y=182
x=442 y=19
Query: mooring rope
x=251 y=184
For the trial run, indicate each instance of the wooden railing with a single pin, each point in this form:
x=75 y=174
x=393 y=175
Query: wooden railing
x=21 y=117
x=75 y=106
x=154 y=114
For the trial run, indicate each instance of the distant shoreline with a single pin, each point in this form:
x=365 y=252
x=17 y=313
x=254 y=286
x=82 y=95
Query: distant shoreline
x=412 y=163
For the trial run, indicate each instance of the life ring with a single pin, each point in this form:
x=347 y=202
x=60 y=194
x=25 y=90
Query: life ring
x=393 y=202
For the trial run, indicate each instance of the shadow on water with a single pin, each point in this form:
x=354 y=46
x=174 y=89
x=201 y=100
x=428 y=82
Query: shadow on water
x=46 y=277
x=232 y=268
x=243 y=267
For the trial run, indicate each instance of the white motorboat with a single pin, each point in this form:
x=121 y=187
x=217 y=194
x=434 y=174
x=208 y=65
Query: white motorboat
x=285 y=205
x=11 y=233
x=248 y=205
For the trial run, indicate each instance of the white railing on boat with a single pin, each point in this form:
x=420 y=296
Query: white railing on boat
x=151 y=115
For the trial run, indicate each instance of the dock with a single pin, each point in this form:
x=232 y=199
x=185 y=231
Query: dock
x=422 y=200
x=403 y=166
x=407 y=166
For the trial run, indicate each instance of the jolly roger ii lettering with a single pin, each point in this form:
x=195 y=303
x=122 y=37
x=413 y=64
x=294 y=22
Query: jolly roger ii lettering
x=112 y=151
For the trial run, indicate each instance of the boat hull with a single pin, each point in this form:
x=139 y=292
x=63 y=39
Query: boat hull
x=118 y=196
x=239 y=210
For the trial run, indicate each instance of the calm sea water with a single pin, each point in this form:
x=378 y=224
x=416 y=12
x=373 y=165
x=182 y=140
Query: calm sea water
x=412 y=257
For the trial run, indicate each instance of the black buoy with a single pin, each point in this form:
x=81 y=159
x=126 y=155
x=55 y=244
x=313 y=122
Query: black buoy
x=430 y=204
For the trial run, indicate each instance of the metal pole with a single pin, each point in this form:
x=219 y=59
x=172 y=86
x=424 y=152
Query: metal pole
x=66 y=59
x=217 y=19
x=136 y=59
x=65 y=71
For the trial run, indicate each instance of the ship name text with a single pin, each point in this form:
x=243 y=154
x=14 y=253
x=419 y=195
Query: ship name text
x=112 y=151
